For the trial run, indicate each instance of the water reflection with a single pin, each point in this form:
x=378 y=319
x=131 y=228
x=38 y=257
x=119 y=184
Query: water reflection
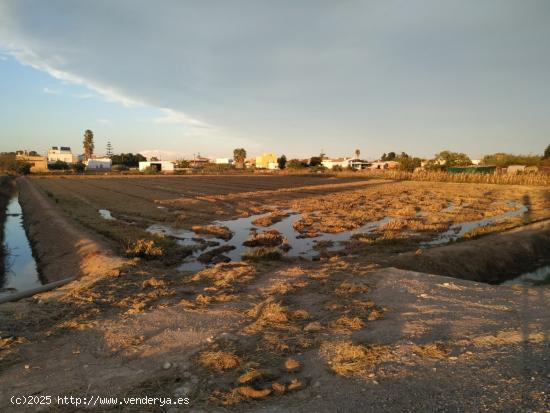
x=21 y=272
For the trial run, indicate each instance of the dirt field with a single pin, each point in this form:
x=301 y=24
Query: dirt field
x=283 y=333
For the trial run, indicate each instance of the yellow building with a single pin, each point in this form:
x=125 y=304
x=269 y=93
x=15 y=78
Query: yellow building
x=266 y=161
x=38 y=163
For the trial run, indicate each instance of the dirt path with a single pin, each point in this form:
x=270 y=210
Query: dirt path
x=494 y=351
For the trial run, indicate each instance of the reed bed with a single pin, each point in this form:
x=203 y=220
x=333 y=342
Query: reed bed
x=539 y=179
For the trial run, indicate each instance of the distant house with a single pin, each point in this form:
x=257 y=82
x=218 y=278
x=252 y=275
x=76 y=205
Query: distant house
x=250 y=163
x=514 y=169
x=263 y=161
x=224 y=161
x=99 y=164
x=61 y=153
x=330 y=163
x=199 y=161
x=158 y=166
x=359 y=164
x=384 y=165
x=37 y=163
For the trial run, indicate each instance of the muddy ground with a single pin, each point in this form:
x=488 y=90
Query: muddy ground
x=345 y=333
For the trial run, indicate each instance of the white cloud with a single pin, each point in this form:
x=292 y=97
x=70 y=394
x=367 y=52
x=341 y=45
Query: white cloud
x=49 y=91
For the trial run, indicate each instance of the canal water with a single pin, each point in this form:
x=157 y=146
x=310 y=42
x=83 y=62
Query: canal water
x=20 y=270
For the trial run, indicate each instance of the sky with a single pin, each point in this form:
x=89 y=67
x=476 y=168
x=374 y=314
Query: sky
x=177 y=78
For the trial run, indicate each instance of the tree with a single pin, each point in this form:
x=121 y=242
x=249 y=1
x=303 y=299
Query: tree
x=357 y=154
x=315 y=161
x=391 y=156
x=78 y=167
x=503 y=160
x=239 y=156
x=282 y=162
x=128 y=159
x=383 y=157
x=407 y=163
x=546 y=153
x=88 y=144
x=154 y=159
x=296 y=164
x=109 y=149
x=449 y=159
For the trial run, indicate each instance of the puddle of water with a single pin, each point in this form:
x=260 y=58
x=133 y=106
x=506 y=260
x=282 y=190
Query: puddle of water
x=449 y=208
x=530 y=278
x=21 y=273
x=300 y=247
x=106 y=214
x=458 y=230
x=242 y=229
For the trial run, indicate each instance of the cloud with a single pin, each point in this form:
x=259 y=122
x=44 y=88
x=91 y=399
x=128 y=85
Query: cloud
x=49 y=91
x=315 y=74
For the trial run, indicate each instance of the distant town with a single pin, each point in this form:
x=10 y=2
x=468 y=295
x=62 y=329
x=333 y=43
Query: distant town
x=62 y=158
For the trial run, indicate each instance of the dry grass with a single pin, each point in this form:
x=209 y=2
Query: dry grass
x=214 y=230
x=262 y=254
x=348 y=288
x=226 y=275
x=270 y=238
x=346 y=324
x=218 y=360
x=269 y=219
x=542 y=179
x=348 y=359
x=144 y=249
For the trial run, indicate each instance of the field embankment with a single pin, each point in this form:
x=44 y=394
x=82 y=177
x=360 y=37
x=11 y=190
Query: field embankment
x=61 y=248
x=493 y=259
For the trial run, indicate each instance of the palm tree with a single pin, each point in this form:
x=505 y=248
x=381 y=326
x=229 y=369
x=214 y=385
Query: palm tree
x=239 y=155
x=109 y=149
x=88 y=144
x=357 y=153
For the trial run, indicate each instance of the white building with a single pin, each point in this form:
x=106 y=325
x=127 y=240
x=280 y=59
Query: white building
x=224 y=161
x=330 y=163
x=98 y=164
x=159 y=166
x=272 y=165
x=384 y=165
x=61 y=153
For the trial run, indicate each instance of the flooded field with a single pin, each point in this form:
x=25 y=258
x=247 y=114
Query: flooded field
x=201 y=221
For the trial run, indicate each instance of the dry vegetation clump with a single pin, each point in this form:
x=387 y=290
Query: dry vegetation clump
x=491 y=229
x=270 y=219
x=9 y=349
x=144 y=249
x=348 y=359
x=226 y=275
x=215 y=230
x=218 y=360
x=431 y=350
x=262 y=254
x=271 y=238
x=347 y=288
x=346 y=324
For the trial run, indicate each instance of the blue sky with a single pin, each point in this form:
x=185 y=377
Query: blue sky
x=185 y=77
